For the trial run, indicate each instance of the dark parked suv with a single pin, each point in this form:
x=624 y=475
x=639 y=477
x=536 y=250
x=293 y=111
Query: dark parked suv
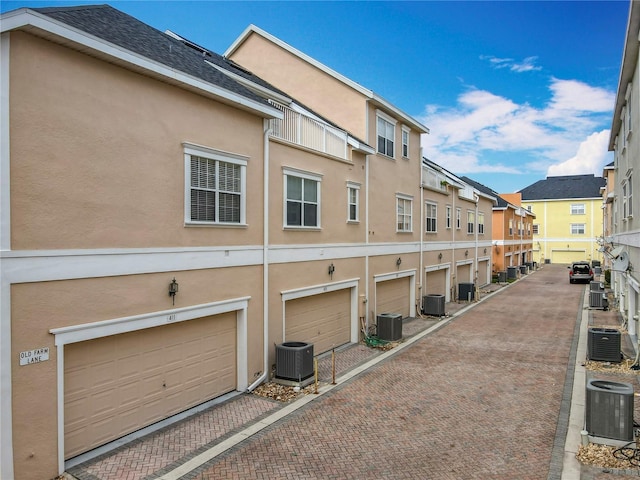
x=580 y=271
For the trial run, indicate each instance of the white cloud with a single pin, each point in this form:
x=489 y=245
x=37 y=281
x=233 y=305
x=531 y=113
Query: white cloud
x=483 y=126
x=592 y=155
x=526 y=65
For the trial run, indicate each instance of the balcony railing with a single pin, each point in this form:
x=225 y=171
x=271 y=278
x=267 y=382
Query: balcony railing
x=308 y=132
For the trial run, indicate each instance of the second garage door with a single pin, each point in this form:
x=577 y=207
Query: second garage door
x=392 y=296
x=324 y=320
x=118 y=384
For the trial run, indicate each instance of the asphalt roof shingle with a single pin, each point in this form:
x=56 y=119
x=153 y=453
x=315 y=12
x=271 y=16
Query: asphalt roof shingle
x=568 y=186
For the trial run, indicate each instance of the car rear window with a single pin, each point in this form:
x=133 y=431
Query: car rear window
x=581 y=269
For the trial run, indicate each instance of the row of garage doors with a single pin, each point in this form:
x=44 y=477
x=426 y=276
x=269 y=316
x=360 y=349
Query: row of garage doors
x=118 y=384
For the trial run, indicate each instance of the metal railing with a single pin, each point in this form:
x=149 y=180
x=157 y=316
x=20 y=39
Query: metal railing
x=308 y=132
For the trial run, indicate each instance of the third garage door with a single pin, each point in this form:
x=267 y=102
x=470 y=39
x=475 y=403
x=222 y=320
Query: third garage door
x=324 y=320
x=118 y=384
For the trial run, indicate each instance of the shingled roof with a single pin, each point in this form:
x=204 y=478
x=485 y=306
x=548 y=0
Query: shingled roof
x=127 y=32
x=569 y=186
x=169 y=49
x=501 y=203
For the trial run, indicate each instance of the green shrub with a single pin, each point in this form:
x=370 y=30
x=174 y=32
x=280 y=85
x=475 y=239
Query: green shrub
x=607 y=277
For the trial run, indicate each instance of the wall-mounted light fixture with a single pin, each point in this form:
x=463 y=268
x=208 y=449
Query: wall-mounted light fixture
x=331 y=270
x=466 y=253
x=398 y=262
x=173 y=289
x=440 y=256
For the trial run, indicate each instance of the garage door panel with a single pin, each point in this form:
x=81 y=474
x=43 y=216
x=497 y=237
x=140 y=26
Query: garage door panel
x=323 y=319
x=392 y=296
x=114 y=385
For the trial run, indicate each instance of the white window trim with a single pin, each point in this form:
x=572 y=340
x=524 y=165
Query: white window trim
x=402 y=196
x=392 y=121
x=448 y=217
x=354 y=186
x=431 y=204
x=406 y=130
x=458 y=218
x=192 y=149
x=472 y=224
x=578 y=206
x=584 y=228
x=479 y=223
x=294 y=172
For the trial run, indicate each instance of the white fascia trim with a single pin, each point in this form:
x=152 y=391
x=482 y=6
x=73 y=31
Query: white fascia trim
x=106 y=328
x=359 y=146
x=29 y=18
x=318 y=289
x=399 y=113
x=253 y=29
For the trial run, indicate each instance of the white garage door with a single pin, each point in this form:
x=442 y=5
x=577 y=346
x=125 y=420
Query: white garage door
x=392 y=296
x=324 y=320
x=119 y=384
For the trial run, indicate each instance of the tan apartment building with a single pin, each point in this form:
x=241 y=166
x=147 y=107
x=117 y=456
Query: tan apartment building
x=168 y=216
x=444 y=259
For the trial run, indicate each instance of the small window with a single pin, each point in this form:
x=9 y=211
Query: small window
x=431 y=218
x=536 y=229
x=577 y=229
x=577 y=209
x=630 y=196
x=386 y=137
x=405 y=142
x=511 y=227
x=448 y=219
x=403 y=208
x=353 y=202
x=215 y=187
x=471 y=220
x=481 y=223
x=302 y=200
x=458 y=219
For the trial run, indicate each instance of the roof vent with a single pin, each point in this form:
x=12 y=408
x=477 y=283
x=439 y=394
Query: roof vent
x=188 y=43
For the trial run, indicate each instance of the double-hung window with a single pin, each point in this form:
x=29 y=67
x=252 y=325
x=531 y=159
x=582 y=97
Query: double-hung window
x=577 y=209
x=386 y=135
x=431 y=217
x=403 y=216
x=577 y=229
x=471 y=220
x=353 y=202
x=458 y=219
x=481 y=223
x=448 y=217
x=536 y=229
x=627 y=197
x=215 y=192
x=302 y=199
x=405 y=142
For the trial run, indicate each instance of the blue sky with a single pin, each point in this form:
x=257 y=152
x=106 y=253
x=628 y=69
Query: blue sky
x=512 y=92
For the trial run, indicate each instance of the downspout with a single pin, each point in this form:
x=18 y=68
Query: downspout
x=265 y=259
x=366 y=241
x=421 y=271
x=476 y=198
x=454 y=272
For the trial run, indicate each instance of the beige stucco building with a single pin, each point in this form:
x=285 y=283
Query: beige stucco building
x=168 y=216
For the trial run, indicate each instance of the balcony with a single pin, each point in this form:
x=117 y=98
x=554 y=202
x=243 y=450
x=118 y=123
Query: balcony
x=307 y=132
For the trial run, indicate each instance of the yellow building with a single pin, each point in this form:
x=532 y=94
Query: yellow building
x=569 y=218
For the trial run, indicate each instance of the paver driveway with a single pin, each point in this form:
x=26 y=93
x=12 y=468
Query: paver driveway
x=478 y=399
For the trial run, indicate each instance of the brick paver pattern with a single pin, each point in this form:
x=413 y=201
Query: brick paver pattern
x=477 y=399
